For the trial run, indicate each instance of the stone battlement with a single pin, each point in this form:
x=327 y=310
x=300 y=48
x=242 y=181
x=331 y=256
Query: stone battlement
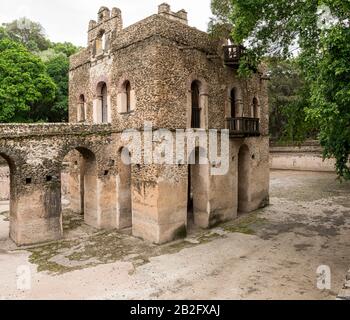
x=165 y=24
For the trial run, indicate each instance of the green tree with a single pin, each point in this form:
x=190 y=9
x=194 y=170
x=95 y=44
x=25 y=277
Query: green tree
x=30 y=34
x=66 y=48
x=318 y=31
x=24 y=84
x=289 y=96
x=58 y=68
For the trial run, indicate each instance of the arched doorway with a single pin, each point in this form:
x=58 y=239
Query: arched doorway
x=79 y=189
x=6 y=198
x=124 y=189
x=243 y=179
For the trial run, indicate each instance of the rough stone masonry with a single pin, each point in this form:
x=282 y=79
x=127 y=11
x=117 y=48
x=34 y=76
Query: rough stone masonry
x=158 y=70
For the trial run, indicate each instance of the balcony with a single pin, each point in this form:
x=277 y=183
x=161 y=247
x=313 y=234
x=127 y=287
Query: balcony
x=243 y=127
x=232 y=55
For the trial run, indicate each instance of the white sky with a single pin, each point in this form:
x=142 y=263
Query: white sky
x=67 y=20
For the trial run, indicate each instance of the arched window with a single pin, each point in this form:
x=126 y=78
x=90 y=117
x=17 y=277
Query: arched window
x=81 y=111
x=128 y=96
x=255 y=108
x=104 y=104
x=100 y=43
x=196 y=110
x=233 y=102
x=101 y=112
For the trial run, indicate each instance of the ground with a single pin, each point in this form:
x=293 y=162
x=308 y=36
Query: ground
x=271 y=254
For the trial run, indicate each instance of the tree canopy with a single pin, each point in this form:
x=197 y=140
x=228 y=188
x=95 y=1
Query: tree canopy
x=24 y=83
x=317 y=33
x=41 y=93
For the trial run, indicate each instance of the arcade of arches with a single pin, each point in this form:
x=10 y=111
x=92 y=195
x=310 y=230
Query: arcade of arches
x=56 y=168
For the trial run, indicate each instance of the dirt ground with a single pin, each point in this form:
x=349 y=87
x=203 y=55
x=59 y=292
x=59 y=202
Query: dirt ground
x=271 y=254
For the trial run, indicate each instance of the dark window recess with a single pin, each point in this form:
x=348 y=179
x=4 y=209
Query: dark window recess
x=106 y=172
x=28 y=180
x=196 y=111
x=48 y=178
x=128 y=96
x=233 y=103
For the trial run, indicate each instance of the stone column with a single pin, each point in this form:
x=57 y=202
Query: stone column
x=160 y=210
x=35 y=213
x=107 y=201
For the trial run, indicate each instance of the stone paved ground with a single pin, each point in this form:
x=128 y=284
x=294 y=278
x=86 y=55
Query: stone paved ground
x=271 y=254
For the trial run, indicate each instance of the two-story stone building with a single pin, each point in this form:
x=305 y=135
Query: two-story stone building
x=159 y=71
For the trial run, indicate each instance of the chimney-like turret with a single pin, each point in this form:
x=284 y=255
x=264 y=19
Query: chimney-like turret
x=165 y=10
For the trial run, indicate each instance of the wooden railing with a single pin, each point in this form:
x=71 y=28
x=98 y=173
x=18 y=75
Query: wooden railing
x=232 y=55
x=243 y=127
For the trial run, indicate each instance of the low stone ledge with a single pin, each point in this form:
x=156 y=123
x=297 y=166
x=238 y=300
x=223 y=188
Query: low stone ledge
x=47 y=129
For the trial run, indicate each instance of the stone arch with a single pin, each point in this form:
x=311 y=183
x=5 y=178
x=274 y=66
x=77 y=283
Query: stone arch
x=102 y=112
x=197 y=109
x=12 y=193
x=81 y=182
x=124 y=189
x=244 y=163
x=126 y=96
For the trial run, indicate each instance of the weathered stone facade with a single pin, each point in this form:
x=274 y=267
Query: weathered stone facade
x=124 y=78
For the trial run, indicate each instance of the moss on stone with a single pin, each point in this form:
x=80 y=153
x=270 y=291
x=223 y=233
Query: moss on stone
x=246 y=224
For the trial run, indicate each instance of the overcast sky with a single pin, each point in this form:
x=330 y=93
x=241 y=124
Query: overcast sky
x=67 y=20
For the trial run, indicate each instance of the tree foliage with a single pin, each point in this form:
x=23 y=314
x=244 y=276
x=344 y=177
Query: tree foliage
x=30 y=34
x=28 y=39
x=24 y=83
x=288 y=98
x=317 y=31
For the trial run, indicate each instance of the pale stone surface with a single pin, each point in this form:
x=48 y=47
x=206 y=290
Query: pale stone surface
x=307 y=225
x=307 y=157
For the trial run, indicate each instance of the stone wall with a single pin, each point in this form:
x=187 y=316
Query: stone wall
x=4 y=180
x=308 y=157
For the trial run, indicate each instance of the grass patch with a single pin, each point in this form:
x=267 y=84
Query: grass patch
x=103 y=247
x=247 y=224
x=6 y=215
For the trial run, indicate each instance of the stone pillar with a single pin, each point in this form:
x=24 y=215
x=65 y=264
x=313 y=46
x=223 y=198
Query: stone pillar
x=200 y=181
x=107 y=201
x=35 y=213
x=160 y=210
x=222 y=199
x=91 y=205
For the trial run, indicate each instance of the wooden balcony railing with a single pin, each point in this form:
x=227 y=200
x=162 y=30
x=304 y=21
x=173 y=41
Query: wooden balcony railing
x=232 y=55
x=243 y=127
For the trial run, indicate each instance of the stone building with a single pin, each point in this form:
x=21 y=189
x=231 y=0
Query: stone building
x=159 y=71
